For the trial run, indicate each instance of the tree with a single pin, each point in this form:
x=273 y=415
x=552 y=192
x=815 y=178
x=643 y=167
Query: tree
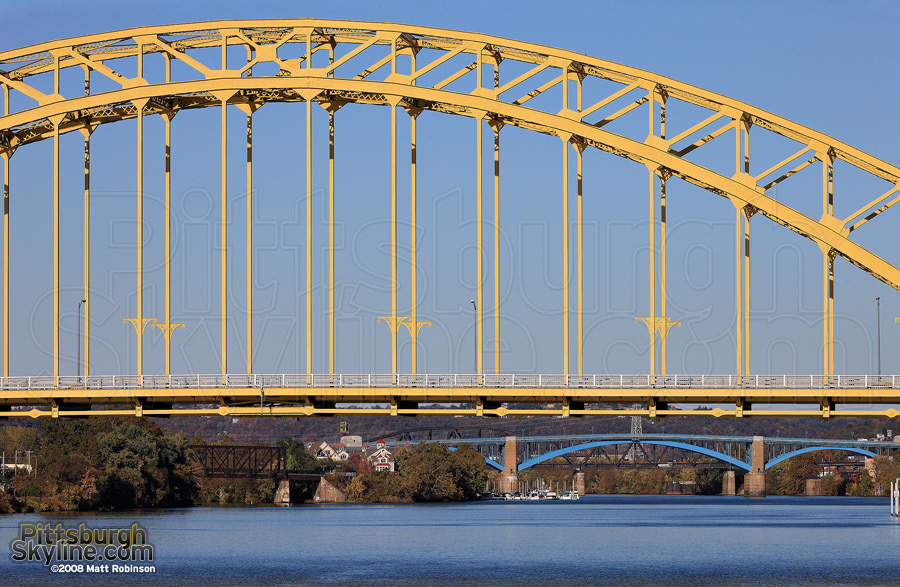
x=431 y=472
x=19 y=438
x=832 y=485
x=298 y=458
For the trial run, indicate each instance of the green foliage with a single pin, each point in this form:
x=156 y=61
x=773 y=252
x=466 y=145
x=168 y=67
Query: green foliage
x=789 y=477
x=833 y=485
x=382 y=487
x=19 y=438
x=106 y=463
x=299 y=459
x=651 y=481
x=864 y=487
x=425 y=472
x=432 y=472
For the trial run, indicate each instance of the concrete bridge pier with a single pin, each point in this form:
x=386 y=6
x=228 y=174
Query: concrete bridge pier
x=283 y=493
x=509 y=478
x=813 y=487
x=579 y=482
x=755 y=480
x=728 y=483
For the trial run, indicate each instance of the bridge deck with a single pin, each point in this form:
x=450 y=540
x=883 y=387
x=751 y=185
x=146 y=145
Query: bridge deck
x=564 y=395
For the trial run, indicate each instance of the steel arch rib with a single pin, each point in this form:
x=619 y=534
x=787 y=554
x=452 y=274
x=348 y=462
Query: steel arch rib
x=95 y=50
x=682 y=445
x=511 y=114
x=801 y=451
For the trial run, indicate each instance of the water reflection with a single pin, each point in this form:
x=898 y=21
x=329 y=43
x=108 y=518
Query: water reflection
x=608 y=540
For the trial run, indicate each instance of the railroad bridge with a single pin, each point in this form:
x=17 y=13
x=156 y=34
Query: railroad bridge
x=252 y=462
x=157 y=77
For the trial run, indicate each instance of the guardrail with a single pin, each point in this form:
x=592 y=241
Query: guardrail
x=551 y=381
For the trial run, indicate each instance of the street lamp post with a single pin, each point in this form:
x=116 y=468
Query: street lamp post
x=475 y=322
x=78 y=361
x=878 y=305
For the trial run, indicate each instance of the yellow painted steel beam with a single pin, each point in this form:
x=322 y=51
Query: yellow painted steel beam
x=309 y=401
x=746 y=292
x=331 y=211
x=479 y=242
x=497 y=125
x=167 y=120
x=140 y=236
x=224 y=169
x=565 y=260
x=361 y=32
x=652 y=316
x=298 y=411
x=56 y=122
x=331 y=191
x=140 y=221
x=395 y=323
x=86 y=232
x=794 y=396
x=394 y=238
x=565 y=226
x=6 y=174
x=471 y=105
x=479 y=220
x=309 y=326
x=580 y=261
x=249 y=333
x=662 y=174
x=56 y=248
x=414 y=319
x=739 y=289
x=662 y=266
x=831 y=314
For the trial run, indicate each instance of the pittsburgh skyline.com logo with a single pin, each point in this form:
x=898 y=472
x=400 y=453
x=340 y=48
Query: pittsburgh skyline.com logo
x=80 y=549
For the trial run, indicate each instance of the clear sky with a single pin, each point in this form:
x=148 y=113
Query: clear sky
x=828 y=65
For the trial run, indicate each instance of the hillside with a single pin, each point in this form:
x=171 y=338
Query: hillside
x=268 y=429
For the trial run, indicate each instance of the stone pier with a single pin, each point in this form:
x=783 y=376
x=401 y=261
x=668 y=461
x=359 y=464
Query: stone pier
x=728 y=483
x=579 y=483
x=326 y=492
x=283 y=493
x=509 y=478
x=813 y=487
x=755 y=480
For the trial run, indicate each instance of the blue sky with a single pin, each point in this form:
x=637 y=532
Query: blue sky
x=827 y=65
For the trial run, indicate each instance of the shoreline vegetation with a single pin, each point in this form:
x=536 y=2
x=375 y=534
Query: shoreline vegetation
x=133 y=463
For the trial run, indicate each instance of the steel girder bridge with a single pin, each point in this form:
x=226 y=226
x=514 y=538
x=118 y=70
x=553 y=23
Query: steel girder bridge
x=39 y=106
x=246 y=461
x=653 y=450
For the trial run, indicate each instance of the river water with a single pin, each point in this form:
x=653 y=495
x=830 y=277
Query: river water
x=598 y=540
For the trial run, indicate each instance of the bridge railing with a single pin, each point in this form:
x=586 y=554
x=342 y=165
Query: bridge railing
x=382 y=380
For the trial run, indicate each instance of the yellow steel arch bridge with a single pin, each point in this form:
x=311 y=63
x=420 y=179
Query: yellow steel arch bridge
x=343 y=63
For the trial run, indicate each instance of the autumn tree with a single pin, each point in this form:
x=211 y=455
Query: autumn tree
x=432 y=472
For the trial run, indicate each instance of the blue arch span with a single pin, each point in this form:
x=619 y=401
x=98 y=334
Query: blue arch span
x=684 y=446
x=801 y=451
